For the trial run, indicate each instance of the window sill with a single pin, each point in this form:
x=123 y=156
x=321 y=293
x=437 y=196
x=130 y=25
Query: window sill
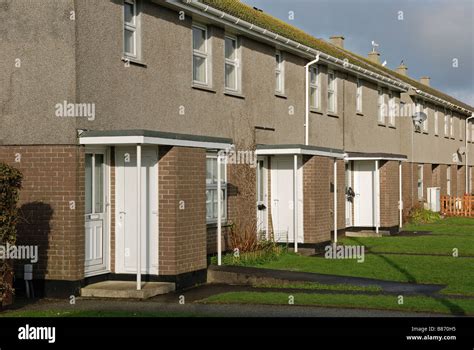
x=392 y=126
x=203 y=88
x=425 y=132
x=333 y=115
x=315 y=111
x=134 y=61
x=360 y=113
x=234 y=94
x=381 y=124
x=280 y=95
x=436 y=135
x=214 y=224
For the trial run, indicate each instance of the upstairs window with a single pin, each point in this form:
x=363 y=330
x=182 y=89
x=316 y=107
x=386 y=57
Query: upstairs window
x=200 y=55
x=472 y=132
x=314 y=88
x=131 y=35
x=391 y=109
x=359 y=96
x=332 y=97
x=425 y=122
x=380 y=106
x=436 y=121
x=279 y=73
x=446 y=124
x=232 y=64
x=451 y=125
x=461 y=122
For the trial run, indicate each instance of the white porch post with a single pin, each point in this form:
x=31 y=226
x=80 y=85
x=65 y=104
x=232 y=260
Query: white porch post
x=219 y=212
x=295 y=201
x=400 y=201
x=335 y=200
x=377 y=197
x=139 y=216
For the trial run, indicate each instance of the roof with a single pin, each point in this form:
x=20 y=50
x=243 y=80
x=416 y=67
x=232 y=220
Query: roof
x=298 y=149
x=277 y=26
x=368 y=156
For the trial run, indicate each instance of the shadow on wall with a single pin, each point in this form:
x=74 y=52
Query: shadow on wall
x=34 y=228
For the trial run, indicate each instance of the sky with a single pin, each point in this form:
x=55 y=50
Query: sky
x=428 y=35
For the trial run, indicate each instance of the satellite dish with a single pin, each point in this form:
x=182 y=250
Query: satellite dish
x=419 y=117
x=462 y=150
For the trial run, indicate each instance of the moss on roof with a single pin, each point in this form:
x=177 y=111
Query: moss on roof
x=277 y=26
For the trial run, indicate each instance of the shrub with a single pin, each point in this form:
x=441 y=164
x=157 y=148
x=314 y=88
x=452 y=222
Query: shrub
x=419 y=215
x=10 y=184
x=266 y=251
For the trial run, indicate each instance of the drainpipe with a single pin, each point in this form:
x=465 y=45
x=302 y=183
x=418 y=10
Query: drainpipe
x=467 y=152
x=139 y=217
x=306 y=120
x=377 y=197
x=295 y=202
x=400 y=201
x=219 y=212
x=335 y=200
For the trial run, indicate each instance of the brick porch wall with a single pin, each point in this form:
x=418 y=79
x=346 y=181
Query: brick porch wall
x=389 y=193
x=53 y=176
x=182 y=241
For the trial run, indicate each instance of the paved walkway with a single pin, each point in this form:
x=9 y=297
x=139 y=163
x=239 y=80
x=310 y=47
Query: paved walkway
x=387 y=286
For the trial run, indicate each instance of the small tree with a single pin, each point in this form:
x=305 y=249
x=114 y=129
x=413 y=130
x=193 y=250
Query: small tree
x=10 y=185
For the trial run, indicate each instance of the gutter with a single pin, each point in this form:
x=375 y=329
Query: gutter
x=441 y=101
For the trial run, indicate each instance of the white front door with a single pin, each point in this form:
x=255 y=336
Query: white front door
x=126 y=210
x=349 y=193
x=364 y=180
x=96 y=213
x=262 y=197
x=282 y=198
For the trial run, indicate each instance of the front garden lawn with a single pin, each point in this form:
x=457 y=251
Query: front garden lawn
x=384 y=302
x=455 y=272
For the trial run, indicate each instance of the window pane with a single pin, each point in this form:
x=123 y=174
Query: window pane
x=99 y=183
x=129 y=41
x=199 y=39
x=313 y=76
x=230 y=46
x=230 y=77
x=199 y=69
x=209 y=171
x=128 y=13
x=209 y=204
x=88 y=183
x=278 y=81
x=313 y=97
x=331 y=101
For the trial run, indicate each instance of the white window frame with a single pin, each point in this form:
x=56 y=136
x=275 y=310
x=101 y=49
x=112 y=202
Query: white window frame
x=332 y=90
x=472 y=132
x=420 y=182
x=235 y=63
x=461 y=122
x=315 y=86
x=213 y=186
x=202 y=54
x=446 y=123
x=133 y=27
x=279 y=73
x=436 y=123
x=451 y=125
x=448 y=180
x=425 y=110
x=359 y=96
x=380 y=105
x=391 y=108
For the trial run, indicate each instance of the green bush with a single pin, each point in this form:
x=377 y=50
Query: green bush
x=419 y=215
x=10 y=185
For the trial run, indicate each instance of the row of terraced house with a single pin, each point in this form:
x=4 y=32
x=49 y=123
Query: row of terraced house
x=144 y=128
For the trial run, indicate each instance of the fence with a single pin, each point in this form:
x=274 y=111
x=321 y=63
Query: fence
x=457 y=206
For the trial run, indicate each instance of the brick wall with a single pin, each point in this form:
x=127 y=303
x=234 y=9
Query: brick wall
x=318 y=198
x=182 y=241
x=389 y=193
x=427 y=180
x=53 y=176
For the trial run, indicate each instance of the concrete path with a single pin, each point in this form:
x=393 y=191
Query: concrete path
x=227 y=274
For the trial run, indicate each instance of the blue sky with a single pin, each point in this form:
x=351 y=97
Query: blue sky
x=431 y=34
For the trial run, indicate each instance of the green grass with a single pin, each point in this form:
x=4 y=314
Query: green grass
x=385 y=302
x=90 y=313
x=319 y=286
x=457 y=273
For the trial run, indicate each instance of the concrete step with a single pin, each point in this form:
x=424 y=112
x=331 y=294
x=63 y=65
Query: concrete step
x=126 y=289
x=366 y=233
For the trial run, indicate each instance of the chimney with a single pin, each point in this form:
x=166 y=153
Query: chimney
x=374 y=56
x=402 y=69
x=425 y=81
x=337 y=40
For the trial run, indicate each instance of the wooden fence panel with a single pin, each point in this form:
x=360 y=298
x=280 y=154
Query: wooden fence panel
x=457 y=206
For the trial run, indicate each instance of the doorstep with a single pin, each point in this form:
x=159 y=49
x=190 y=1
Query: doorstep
x=126 y=289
